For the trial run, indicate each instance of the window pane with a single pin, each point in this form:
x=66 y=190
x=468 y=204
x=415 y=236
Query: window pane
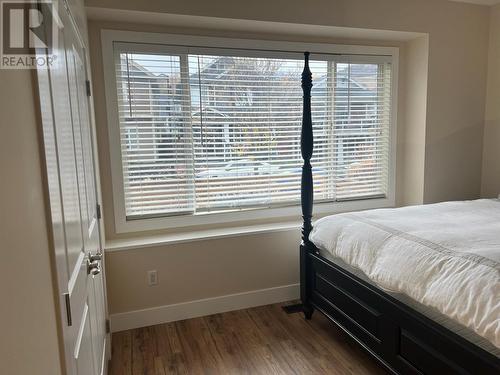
x=246 y=118
x=155 y=135
x=361 y=129
x=203 y=133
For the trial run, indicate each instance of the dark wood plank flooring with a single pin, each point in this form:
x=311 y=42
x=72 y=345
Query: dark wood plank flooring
x=261 y=340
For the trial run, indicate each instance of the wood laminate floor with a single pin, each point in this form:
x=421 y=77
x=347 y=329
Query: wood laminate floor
x=261 y=340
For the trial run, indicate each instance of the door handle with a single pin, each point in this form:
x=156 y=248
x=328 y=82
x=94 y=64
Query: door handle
x=93 y=268
x=95 y=271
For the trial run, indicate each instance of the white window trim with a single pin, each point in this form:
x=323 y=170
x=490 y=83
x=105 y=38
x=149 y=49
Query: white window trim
x=249 y=46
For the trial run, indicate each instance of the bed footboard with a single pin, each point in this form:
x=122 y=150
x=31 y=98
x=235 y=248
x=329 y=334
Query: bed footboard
x=402 y=339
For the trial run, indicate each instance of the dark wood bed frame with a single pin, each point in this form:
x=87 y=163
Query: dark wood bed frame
x=400 y=338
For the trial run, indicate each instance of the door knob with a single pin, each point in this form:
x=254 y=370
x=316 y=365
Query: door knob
x=93 y=268
x=95 y=271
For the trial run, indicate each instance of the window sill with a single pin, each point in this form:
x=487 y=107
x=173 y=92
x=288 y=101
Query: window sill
x=187 y=235
x=201 y=235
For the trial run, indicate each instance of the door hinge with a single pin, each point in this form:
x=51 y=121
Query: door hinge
x=87 y=86
x=67 y=301
x=98 y=211
x=108 y=326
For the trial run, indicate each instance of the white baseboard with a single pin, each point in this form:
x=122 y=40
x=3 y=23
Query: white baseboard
x=202 y=307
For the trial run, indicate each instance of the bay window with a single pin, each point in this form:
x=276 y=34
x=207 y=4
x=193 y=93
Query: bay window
x=211 y=130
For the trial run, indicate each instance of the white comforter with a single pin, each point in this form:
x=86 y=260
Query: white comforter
x=445 y=256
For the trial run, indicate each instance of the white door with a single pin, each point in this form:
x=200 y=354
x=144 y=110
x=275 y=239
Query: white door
x=73 y=203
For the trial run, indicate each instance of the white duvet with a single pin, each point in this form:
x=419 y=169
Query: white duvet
x=445 y=256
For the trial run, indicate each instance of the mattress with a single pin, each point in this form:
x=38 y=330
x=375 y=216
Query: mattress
x=441 y=259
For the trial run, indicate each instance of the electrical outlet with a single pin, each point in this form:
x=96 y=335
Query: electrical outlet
x=152 y=278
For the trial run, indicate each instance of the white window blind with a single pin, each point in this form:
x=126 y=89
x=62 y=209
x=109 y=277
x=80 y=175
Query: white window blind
x=214 y=132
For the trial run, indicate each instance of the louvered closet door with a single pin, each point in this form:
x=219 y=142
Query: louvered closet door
x=73 y=205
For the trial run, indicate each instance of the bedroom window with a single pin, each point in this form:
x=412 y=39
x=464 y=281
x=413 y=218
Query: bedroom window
x=211 y=130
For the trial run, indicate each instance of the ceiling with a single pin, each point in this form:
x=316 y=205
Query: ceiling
x=481 y=2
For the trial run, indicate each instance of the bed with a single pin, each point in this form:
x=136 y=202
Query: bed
x=417 y=287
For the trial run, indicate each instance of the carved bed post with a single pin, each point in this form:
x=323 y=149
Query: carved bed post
x=306 y=147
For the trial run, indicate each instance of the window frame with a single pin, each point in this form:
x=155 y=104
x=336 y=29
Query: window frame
x=175 y=43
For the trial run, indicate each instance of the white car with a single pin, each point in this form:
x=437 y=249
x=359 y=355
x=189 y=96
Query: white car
x=240 y=168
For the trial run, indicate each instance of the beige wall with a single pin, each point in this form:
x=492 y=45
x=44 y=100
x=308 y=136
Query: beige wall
x=29 y=341
x=441 y=113
x=412 y=121
x=491 y=153
x=201 y=269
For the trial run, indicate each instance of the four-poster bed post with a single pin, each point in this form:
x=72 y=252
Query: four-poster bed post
x=307 y=194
